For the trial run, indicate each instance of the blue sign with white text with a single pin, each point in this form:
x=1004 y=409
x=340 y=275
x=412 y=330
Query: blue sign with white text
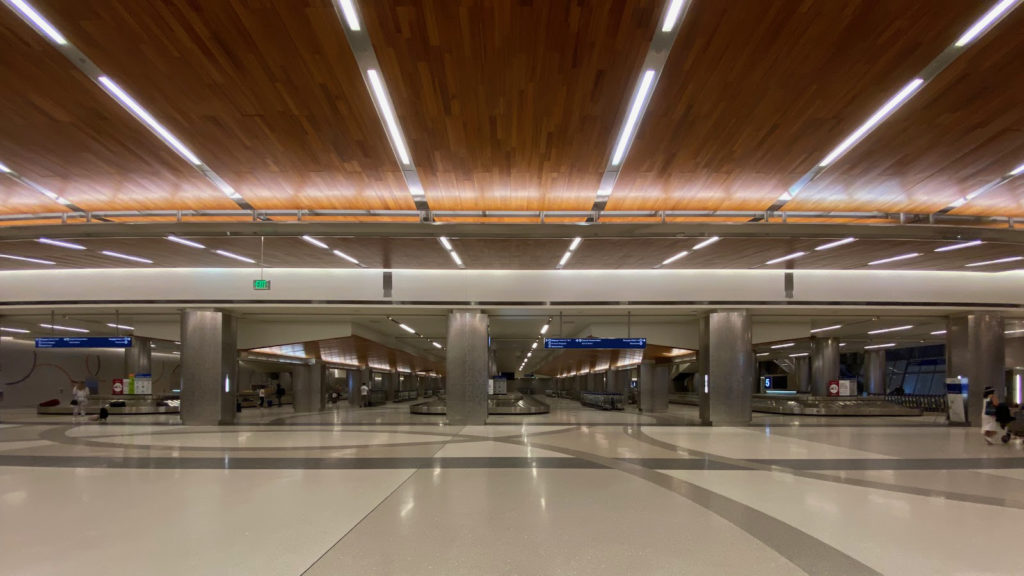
x=595 y=343
x=92 y=342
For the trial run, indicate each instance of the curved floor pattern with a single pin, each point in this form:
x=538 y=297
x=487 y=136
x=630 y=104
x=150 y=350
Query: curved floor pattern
x=359 y=492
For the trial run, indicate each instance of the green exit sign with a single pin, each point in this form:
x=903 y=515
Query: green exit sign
x=261 y=284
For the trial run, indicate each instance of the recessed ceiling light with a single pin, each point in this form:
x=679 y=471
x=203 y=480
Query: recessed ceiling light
x=787 y=345
x=436 y=345
x=1017 y=170
x=67 y=328
x=799 y=354
x=575 y=243
x=764 y=354
x=984 y=22
x=1000 y=261
x=122 y=327
x=40 y=22
x=938 y=332
x=455 y=257
x=672 y=259
x=635 y=109
x=341 y=254
x=833 y=327
x=314 y=241
x=1018 y=331
x=894 y=258
x=135 y=108
x=62 y=244
x=873 y=346
x=786 y=257
x=675 y=8
x=235 y=256
x=406 y=328
x=958 y=246
x=836 y=243
x=380 y=95
x=5 y=169
x=565 y=258
x=126 y=257
x=14 y=330
x=24 y=259
x=544 y=328
x=185 y=242
x=444 y=242
x=897 y=328
x=873 y=121
x=707 y=242
x=349 y=10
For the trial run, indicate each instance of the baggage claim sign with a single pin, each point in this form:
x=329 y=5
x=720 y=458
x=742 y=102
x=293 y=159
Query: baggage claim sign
x=595 y=343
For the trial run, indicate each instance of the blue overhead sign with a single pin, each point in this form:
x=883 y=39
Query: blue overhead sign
x=595 y=343
x=72 y=342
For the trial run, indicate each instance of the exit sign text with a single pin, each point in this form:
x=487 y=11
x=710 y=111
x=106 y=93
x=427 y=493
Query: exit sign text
x=261 y=284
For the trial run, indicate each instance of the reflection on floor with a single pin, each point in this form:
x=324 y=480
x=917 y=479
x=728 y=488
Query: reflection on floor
x=378 y=491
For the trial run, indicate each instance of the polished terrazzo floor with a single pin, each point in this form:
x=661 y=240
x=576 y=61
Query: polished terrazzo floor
x=577 y=491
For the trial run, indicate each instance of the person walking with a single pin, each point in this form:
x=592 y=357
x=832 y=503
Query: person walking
x=364 y=395
x=79 y=399
x=263 y=396
x=989 y=425
x=280 y=394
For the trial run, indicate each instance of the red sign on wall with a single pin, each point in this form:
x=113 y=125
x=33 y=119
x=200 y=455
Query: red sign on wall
x=833 y=387
x=118 y=387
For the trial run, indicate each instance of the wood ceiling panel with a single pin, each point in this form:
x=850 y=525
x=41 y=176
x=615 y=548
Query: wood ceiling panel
x=1007 y=200
x=750 y=99
x=510 y=105
x=59 y=130
x=268 y=94
x=964 y=130
x=355 y=350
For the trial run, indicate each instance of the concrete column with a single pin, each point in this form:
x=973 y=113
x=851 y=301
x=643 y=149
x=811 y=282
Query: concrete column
x=591 y=382
x=654 y=386
x=466 y=368
x=730 y=367
x=209 y=367
x=824 y=364
x=356 y=377
x=874 y=372
x=802 y=374
x=308 y=388
x=975 y=348
x=703 y=376
x=139 y=358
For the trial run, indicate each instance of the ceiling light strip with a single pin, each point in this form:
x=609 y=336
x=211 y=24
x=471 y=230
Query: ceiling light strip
x=786 y=257
x=568 y=253
x=896 y=329
x=926 y=75
x=959 y=246
x=25 y=259
x=874 y=346
x=836 y=243
x=109 y=86
x=647 y=80
x=366 y=59
x=894 y=259
x=65 y=328
x=999 y=261
x=826 y=328
x=13 y=175
x=113 y=254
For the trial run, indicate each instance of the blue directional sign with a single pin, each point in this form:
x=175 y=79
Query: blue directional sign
x=93 y=342
x=595 y=343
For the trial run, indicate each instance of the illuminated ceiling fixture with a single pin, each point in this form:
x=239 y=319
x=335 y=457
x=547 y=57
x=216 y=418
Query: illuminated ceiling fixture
x=575 y=243
x=235 y=256
x=24 y=259
x=142 y=114
x=707 y=242
x=873 y=346
x=436 y=345
x=66 y=328
x=937 y=332
x=14 y=330
x=826 y=328
x=959 y=246
x=444 y=242
x=455 y=257
x=185 y=242
x=895 y=258
x=568 y=253
x=836 y=243
x=406 y=328
x=61 y=243
x=113 y=254
x=672 y=15
x=315 y=242
x=451 y=251
x=1000 y=261
x=786 y=345
x=984 y=22
x=348 y=9
x=672 y=259
x=763 y=354
x=896 y=329
x=635 y=108
x=122 y=327
x=533 y=346
x=786 y=257
x=1017 y=171
x=341 y=254
x=380 y=97
x=544 y=328
x=799 y=354
x=1018 y=331
x=40 y=23
x=876 y=118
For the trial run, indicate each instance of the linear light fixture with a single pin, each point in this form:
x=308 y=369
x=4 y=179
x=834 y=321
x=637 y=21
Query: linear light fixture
x=406 y=328
x=635 y=109
x=786 y=257
x=436 y=345
x=380 y=95
x=1016 y=171
x=41 y=23
x=235 y=256
x=881 y=114
x=533 y=346
x=67 y=328
x=565 y=258
x=14 y=330
x=575 y=243
x=351 y=17
x=836 y=243
x=568 y=253
x=672 y=15
x=544 y=328
x=826 y=328
x=895 y=258
x=5 y=169
x=444 y=242
x=24 y=259
x=1000 y=261
x=185 y=242
x=1018 y=331
x=315 y=242
x=937 y=332
x=113 y=254
x=61 y=243
x=764 y=354
x=786 y=345
x=142 y=114
x=672 y=259
x=896 y=329
x=455 y=257
x=341 y=254
x=706 y=243
x=959 y=246
x=799 y=354
x=121 y=326
x=873 y=346
x=984 y=22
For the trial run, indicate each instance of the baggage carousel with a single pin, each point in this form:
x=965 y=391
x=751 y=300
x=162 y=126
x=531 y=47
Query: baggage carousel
x=806 y=405
x=513 y=404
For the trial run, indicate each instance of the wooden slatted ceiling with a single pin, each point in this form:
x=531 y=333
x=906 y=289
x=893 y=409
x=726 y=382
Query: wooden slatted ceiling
x=61 y=131
x=510 y=105
x=603 y=360
x=1007 y=200
x=357 y=350
x=964 y=130
x=752 y=98
x=266 y=93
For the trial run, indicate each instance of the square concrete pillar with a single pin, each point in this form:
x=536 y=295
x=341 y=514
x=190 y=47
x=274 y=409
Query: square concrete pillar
x=976 y=348
x=209 y=367
x=728 y=369
x=467 y=368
